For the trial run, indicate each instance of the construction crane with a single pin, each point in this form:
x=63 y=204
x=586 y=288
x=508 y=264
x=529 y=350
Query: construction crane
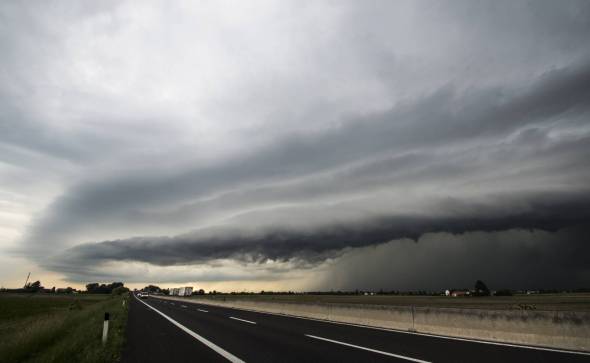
x=27 y=281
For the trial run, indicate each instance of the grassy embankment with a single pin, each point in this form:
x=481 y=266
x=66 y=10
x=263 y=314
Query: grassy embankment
x=60 y=328
x=561 y=302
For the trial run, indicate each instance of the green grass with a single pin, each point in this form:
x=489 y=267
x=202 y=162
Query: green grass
x=60 y=328
x=561 y=302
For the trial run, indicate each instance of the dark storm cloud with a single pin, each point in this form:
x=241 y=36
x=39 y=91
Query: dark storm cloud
x=310 y=247
x=513 y=259
x=444 y=117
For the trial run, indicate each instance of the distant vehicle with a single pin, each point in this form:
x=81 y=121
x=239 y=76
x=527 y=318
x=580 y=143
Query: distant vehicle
x=143 y=295
x=185 y=291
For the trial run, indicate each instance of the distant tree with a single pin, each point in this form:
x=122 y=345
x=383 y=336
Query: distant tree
x=114 y=285
x=165 y=291
x=152 y=288
x=120 y=290
x=34 y=286
x=53 y=289
x=481 y=289
x=95 y=288
x=201 y=292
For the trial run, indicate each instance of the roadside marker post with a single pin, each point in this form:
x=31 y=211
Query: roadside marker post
x=105 y=328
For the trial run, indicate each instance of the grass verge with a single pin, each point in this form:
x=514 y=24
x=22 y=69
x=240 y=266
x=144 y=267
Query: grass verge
x=61 y=329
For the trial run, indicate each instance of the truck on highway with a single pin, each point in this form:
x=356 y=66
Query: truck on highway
x=185 y=291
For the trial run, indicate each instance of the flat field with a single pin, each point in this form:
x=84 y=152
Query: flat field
x=561 y=302
x=60 y=328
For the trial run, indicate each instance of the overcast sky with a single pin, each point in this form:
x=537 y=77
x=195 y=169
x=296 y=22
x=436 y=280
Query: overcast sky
x=295 y=145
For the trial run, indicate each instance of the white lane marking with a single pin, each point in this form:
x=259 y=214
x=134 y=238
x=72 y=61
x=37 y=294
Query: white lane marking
x=369 y=349
x=245 y=321
x=184 y=306
x=203 y=311
x=557 y=350
x=227 y=355
x=498 y=343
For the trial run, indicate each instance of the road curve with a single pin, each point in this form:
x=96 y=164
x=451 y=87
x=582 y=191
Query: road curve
x=161 y=330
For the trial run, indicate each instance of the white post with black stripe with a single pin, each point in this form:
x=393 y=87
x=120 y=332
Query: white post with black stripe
x=105 y=328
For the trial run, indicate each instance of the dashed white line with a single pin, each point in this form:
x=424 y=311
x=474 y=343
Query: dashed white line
x=245 y=321
x=203 y=311
x=368 y=349
x=183 y=306
x=227 y=355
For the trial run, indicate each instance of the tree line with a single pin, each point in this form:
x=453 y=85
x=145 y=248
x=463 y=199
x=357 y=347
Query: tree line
x=116 y=288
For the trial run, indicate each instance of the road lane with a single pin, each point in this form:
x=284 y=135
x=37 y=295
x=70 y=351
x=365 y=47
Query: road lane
x=286 y=339
x=225 y=354
x=422 y=346
x=151 y=339
x=367 y=349
x=263 y=343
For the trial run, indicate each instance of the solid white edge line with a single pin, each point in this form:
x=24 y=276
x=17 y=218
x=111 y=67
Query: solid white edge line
x=245 y=321
x=369 y=349
x=204 y=311
x=227 y=355
x=522 y=346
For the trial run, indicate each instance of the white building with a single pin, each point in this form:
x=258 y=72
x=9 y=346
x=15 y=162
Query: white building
x=185 y=291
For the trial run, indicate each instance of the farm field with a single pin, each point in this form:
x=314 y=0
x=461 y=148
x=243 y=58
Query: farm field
x=60 y=328
x=561 y=302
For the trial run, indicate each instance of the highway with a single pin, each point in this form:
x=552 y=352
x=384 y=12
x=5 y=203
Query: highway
x=160 y=330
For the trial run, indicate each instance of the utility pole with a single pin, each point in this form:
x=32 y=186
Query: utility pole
x=26 y=282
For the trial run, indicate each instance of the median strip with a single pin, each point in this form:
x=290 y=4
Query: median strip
x=245 y=321
x=227 y=355
x=368 y=349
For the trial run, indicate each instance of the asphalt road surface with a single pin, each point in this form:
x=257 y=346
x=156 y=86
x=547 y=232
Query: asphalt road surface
x=161 y=330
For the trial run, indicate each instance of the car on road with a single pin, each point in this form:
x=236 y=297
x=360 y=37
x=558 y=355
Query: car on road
x=143 y=295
